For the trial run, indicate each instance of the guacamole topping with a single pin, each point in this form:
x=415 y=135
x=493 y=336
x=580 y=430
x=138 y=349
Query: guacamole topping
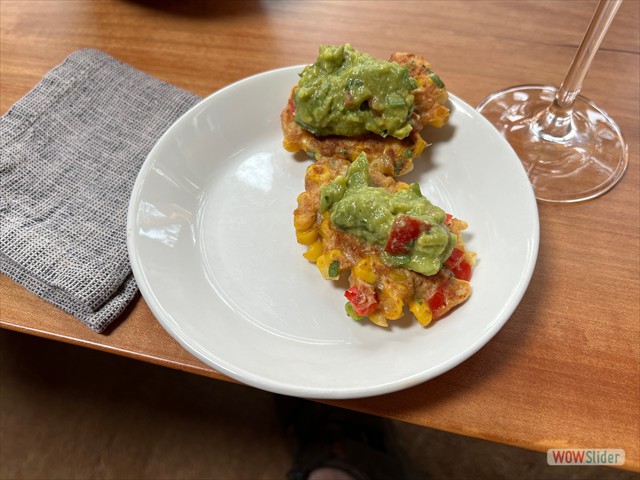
x=405 y=224
x=348 y=93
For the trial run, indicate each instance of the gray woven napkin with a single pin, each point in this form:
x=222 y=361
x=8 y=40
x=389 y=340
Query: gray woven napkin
x=70 y=151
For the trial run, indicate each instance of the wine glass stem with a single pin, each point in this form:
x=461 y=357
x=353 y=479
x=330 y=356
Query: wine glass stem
x=555 y=121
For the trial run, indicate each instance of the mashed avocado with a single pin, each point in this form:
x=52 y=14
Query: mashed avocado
x=376 y=215
x=346 y=92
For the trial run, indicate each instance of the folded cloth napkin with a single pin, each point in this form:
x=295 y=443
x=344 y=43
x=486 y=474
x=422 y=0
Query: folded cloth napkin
x=70 y=151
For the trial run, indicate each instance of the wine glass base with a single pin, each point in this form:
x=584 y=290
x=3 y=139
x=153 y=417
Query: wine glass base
x=583 y=164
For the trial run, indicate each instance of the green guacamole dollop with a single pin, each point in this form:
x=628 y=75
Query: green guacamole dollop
x=348 y=93
x=368 y=213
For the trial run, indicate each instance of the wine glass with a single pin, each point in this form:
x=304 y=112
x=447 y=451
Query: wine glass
x=571 y=149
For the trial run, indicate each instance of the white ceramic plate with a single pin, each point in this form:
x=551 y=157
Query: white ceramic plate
x=213 y=250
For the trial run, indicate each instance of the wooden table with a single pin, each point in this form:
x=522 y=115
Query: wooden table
x=564 y=371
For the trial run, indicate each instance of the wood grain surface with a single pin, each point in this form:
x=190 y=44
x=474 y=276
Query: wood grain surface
x=565 y=370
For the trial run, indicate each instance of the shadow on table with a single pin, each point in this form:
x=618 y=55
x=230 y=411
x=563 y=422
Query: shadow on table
x=198 y=8
x=72 y=412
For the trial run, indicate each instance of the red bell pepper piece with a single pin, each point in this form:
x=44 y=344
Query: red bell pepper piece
x=438 y=299
x=462 y=271
x=458 y=265
x=404 y=232
x=292 y=106
x=455 y=258
x=364 y=300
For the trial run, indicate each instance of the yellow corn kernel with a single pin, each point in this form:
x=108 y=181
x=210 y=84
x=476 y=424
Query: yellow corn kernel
x=307 y=237
x=314 y=251
x=324 y=262
x=336 y=254
x=398 y=287
x=379 y=319
x=365 y=269
x=391 y=305
x=421 y=144
x=421 y=311
x=398 y=275
x=290 y=145
x=470 y=257
x=303 y=197
x=303 y=220
x=440 y=117
x=318 y=173
x=325 y=228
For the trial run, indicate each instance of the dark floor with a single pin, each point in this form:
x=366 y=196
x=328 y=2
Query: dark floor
x=71 y=413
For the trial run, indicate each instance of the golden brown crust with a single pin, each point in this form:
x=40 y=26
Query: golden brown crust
x=429 y=98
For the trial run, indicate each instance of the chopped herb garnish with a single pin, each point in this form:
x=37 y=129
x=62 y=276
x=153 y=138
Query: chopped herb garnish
x=334 y=268
x=436 y=79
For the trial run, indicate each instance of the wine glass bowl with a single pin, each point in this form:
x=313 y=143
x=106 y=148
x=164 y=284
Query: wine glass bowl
x=568 y=157
x=571 y=149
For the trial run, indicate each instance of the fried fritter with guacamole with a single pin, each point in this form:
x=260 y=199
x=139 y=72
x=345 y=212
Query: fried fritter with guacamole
x=401 y=253
x=348 y=102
